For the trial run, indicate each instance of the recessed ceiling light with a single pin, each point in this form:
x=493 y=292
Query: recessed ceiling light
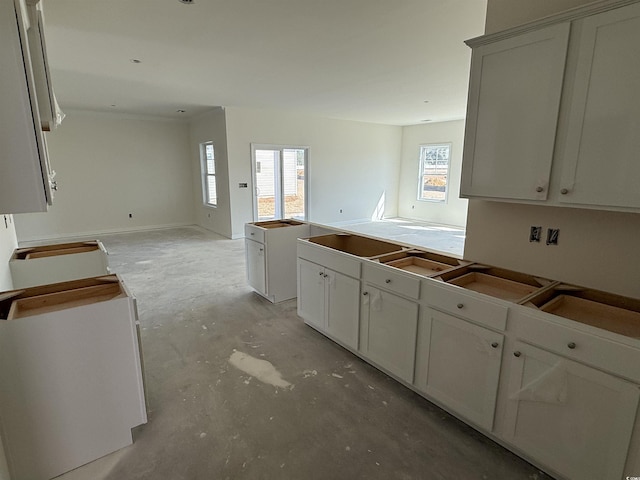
x=426 y=101
x=427 y=120
x=135 y=60
x=113 y=104
x=187 y=2
x=180 y=111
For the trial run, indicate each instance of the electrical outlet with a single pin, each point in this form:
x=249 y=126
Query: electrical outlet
x=535 y=234
x=552 y=236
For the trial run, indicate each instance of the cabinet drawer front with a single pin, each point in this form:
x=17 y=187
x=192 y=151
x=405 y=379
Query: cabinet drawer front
x=254 y=233
x=327 y=257
x=541 y=329
x=384 y=277
x=465 y=304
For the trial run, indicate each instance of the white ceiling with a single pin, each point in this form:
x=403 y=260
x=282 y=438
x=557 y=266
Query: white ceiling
x=367 y=60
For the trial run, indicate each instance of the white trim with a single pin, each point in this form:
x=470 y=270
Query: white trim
x=71 y=236
x=566 y=16
x=421 y=172
x=280 y=149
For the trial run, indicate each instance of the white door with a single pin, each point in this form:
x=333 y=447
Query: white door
x=343 y=307
x=463 y=366
x=256 y=265
x=279 y=180
x=311 y=296
x=389 y=326
x=601 y=159
x=570 y=417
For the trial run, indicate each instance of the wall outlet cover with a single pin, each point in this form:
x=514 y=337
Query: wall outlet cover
x=535 y=234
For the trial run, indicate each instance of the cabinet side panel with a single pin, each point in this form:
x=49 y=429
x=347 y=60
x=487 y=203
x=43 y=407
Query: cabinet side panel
x=21 y=181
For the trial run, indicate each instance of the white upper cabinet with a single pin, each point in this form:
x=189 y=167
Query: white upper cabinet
x=554 y=111
x=600 y=165
x=514 y=99
x=25 y=179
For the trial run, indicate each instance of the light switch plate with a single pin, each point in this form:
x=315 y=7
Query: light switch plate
x=552 y=236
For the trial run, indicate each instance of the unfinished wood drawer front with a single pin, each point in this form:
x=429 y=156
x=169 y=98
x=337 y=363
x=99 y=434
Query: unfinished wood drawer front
x=385 y=277
x=254 y=233
x=336 y=261
x=465 y=304
x=541 y=329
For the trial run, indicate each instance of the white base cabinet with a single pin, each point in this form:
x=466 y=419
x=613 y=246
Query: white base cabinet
x=41 y=265
x=270 y=255
x=328 y=301
x=256 y=266
x=459 y=365
x=71 y=375
x=561 y=389
x=574 y=419
x=388 y=331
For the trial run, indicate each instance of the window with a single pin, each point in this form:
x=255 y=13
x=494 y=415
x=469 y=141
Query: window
x=207 y=156
x=434 y=172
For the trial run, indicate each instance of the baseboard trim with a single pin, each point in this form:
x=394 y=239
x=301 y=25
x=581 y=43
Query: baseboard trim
x=109 y=231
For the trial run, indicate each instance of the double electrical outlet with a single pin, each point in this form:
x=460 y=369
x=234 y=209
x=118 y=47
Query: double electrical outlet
x=535 y=235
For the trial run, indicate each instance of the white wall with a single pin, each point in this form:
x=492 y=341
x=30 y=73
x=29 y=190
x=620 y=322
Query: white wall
x=502 y=14
x=352 y=165
x=595 y=249
x=211 y=126
x=110 y=165
x=454 y=211
x=8 y=243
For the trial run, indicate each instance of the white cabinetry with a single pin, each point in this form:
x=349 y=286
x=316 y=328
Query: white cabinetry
x=256 y=266
x=389 y=322
x=24 y=165
x=388 y=331
x=328 y=299
x=544 y=130
x=574 y=419
x=600 y=164
x=514 y=99
x=459 y=365
x=71 y=375
x=56 y=263
x=270 y=254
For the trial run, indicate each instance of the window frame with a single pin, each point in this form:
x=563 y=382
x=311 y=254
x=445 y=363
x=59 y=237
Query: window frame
x=421 y=161
x=206 y=174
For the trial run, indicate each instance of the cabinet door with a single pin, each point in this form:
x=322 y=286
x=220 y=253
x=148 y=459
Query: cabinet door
x=343 y=307
x=463 y=366
x=601 y=159
x=24 y=179
x=256 y=266
x=311 y=299
x=388 y=336
x=514 y=99
x=574 y=419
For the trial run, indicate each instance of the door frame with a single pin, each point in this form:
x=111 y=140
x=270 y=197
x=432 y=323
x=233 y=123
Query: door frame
x=280 y=148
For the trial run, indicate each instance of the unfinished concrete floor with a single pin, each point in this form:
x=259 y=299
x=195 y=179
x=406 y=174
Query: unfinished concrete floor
x=342 y=419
